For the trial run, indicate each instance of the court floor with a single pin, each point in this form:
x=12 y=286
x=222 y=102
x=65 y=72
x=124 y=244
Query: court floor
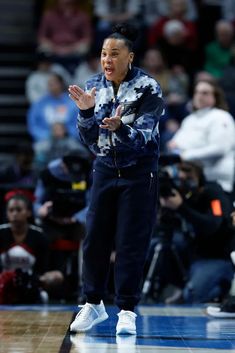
x=161 y=329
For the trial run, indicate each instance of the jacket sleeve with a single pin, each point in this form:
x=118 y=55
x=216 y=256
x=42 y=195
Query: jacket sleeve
x=208 y=221
x=145 y=127
x=87 y=126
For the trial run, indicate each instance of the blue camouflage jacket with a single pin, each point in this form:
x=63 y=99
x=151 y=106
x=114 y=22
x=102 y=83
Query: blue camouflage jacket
x=138 y=136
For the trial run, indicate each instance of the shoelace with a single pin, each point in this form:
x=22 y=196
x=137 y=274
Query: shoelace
x=126 y=318
x=84 y=312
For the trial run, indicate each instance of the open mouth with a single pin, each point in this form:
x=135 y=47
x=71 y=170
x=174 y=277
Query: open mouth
x=108 y=71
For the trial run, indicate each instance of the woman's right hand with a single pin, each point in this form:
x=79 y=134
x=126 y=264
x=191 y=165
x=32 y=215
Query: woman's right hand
x=84 y=100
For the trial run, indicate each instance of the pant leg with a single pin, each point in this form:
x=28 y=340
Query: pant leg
x=135 y=221
x=209 y=279
x=98 y=242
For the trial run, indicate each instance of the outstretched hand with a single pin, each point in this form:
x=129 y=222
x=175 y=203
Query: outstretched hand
x=84 y=100
x=114 y=122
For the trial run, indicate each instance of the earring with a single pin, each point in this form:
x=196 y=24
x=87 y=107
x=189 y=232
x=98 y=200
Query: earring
x=130 y=66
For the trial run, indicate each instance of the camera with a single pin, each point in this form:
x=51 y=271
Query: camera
x=168 y=174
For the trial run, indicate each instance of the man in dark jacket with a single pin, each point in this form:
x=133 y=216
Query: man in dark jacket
x=206 y=208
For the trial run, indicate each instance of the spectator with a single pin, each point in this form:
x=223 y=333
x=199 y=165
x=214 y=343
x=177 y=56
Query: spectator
x=205 y=208
x=65 y=32
x=52 y=108
x=23 y=255
x=207 y=135
x=60 y=207
x=20 y=173
x=90 y=66
x=59 y=144
x=153 y=10
x=109 y=13
x=174 y=82
x=210 y=12
x=177 y=11
x=36 y=84
x=174 y=48
x=220 y=53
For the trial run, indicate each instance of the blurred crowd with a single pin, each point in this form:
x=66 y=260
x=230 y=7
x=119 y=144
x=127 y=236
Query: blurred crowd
x=188 y=46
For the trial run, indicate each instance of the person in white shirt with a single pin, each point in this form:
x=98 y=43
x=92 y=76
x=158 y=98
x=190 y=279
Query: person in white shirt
x=208 y=135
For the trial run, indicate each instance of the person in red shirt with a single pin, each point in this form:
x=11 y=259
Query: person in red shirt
x=65 y=31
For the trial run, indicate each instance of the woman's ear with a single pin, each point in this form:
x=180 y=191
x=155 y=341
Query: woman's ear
x=131 y=56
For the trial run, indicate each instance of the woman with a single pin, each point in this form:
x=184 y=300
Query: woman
x=23 y=255
x=207 y=135
x=118 y=118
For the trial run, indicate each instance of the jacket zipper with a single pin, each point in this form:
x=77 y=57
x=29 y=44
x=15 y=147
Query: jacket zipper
x=151 y=181
x=114 y=150
x=114 y=154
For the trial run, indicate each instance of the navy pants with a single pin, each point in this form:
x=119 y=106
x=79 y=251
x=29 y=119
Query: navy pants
x=122 y=214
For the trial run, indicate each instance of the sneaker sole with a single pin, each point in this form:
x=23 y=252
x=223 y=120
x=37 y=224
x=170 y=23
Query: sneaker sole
x=124 y=331
x=95 y=322
x=216 y=312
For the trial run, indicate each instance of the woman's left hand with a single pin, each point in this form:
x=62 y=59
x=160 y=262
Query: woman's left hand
x=114 y=122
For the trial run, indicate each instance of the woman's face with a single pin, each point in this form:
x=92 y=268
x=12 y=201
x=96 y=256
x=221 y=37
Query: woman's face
x=115 y=59
x=17 y=211
x=203 y=96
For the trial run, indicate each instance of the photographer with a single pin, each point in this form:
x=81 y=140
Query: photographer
x=60 y=208
x=205 y=208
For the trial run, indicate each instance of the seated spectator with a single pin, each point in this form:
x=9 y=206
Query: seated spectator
x=207 y=135
x=221 y=52
x=177 y=11
x=54 y=107
x=108 y=14
x=21 y=173
x=23 y=255
x=65 y=32
x=87 y=68
x=60 y=208
x=154 y=10
x=57 y=145
x=210 y=12
x=36 y=84
x=174 y=48
x=174 y=82
x=202 y=210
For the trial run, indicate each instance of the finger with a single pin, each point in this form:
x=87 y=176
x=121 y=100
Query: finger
x=75 y=99
x=104 y=126
x=106 y=120
x=118 y=112
x=77 y=89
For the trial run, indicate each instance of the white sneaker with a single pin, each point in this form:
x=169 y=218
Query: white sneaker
x=89 y=316
x=224 y=311
x=126 y=323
